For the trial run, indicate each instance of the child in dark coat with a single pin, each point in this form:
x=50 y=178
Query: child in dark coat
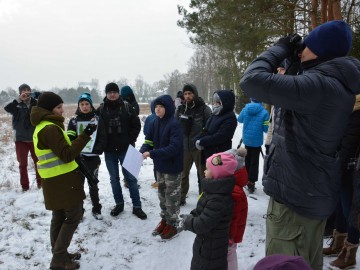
x=90 y=154
x=164 y=144
x=210 y=221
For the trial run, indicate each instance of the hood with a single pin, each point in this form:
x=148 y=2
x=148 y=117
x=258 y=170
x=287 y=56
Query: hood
x=152 y=106
x=254 y=108
x=227 y=98
x=168 y=103
x=39 y=114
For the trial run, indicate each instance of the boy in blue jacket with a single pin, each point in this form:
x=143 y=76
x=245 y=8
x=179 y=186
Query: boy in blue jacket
x=164 y=144
x=256 y=122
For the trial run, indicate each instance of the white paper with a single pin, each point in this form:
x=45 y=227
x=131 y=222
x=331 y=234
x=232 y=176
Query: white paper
x=133 y=161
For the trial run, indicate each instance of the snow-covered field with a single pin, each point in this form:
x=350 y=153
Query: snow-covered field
x=123 y=242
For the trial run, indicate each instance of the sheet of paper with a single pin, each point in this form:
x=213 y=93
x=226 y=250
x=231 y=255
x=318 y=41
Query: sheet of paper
x=133 y=161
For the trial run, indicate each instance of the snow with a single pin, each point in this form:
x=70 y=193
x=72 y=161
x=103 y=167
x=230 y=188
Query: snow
x=123 y=242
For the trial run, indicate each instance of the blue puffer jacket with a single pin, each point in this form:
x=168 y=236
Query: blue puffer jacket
x=219 y=129
x=165 y=140
x=302 y=169
x=256 y=122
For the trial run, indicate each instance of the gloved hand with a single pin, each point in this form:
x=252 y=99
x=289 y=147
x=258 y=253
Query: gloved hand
x=180 y=226
x=292 y=42
x=90 y=128
x=198 y=146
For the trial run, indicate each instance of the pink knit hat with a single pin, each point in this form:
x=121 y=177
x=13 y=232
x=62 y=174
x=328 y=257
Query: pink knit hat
x=221 y=165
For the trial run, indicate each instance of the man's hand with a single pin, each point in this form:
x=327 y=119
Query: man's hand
x=24 y=96
x=146 y=155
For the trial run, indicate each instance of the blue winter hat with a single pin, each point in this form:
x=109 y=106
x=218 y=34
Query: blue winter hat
x=331 y=39
x=126 y=91
x=85 y=96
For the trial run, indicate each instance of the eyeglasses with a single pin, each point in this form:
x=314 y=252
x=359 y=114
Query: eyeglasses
x=217 y=161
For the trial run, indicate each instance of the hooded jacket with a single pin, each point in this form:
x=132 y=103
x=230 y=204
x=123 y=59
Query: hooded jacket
x=210 y=221
x=66 y=190
x=302 y=169
x=165 y=141
x=150 y=118
x=256 y=122
x=219 y=129
x=193 y=118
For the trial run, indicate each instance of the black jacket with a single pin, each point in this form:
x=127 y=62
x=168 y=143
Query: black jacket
x=193 y=118
x=122 y=124
x=302 y=169
x=210 y=221
x=100 y=142
x=21 y=119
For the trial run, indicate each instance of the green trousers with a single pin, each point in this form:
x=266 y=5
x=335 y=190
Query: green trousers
x=291 y=234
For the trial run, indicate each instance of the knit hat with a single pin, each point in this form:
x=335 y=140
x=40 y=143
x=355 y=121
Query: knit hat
x=180 y=94
x=23 y=87
x=240 y=158
x=126 y=91
x=85 y=96
x=221 y=165
x=49 y=100
x=189 y=87
x=331 y=39
x=282 y=262
x=112 y=87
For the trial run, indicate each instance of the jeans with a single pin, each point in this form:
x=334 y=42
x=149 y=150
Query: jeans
x=112 y=164
x=22 y=151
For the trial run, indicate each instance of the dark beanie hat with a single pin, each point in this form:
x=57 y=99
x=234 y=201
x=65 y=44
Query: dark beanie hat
x=85 y=96
x=23 y=87
x=126 y=91
x=112 y=87
x=189 y=87
x=331 y=39
x=282 y=262
x=49 y=100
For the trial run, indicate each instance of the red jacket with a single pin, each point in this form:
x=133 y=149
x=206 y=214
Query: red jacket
x=238 y=222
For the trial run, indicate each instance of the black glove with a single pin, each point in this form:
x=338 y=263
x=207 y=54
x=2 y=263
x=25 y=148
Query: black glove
x=90 y=128
x=293 y=42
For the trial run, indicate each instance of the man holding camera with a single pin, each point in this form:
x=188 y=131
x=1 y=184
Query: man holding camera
x=302 y=171
x=122 y=126
x=20 y=109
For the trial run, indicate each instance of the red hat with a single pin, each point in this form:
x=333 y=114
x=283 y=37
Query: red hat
x=221 y=165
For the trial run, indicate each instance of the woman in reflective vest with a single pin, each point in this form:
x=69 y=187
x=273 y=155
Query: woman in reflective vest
x=62 y=183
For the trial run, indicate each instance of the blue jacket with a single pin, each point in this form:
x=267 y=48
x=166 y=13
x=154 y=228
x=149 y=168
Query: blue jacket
x=165 y=140
x=150 y=118
x=219 y=129
x=256 y=121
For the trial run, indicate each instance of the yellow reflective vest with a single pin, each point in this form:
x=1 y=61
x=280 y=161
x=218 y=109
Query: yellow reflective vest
x=50 y=165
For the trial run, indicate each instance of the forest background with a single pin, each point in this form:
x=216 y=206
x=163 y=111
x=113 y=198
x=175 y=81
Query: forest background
x=227 y=36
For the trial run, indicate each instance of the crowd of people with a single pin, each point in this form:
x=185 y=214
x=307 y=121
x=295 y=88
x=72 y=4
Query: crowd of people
x=312 y=156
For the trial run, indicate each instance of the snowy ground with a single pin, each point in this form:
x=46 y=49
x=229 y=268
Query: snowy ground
x=123 y=242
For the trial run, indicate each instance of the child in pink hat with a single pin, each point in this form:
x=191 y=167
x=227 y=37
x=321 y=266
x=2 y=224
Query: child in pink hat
x=210 y=221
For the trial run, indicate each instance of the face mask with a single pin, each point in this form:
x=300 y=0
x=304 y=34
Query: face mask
x=217 y=109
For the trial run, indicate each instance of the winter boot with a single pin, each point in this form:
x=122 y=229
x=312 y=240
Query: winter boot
x=159 y=228
x=347 y=256
x=139 y=213
x=169 y=232
x=74 y=256
x=72 y=265
x=117 y=210
x=336 y=244
x=96 y=212
x=251 y=187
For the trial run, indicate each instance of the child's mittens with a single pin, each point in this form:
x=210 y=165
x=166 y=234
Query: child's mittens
x=241 y=151
x=181 y=224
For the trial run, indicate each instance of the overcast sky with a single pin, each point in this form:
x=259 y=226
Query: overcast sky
x=50 y=43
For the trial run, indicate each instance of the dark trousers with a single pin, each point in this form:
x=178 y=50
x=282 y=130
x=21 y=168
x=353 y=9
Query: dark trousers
x=22 y=151
x=93 y=164
x=63 y=225
x=252 y=162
